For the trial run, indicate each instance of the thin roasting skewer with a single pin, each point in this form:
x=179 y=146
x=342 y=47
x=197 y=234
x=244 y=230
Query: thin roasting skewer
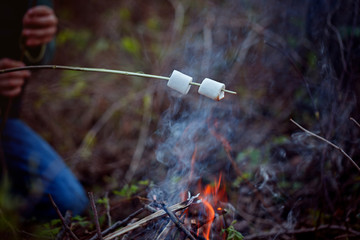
x=102 y=70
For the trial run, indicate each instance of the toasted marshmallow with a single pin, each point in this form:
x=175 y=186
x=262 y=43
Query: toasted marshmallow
x=212 y=89
x=180 y=82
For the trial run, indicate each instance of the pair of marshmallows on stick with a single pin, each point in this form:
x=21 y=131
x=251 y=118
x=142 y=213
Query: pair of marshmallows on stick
x=209 y=88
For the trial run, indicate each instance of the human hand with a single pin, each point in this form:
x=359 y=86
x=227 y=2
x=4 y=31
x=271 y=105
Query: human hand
x=39 y=26
x=11 y=83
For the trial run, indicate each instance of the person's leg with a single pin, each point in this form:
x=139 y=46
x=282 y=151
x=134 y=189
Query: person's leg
x=36 y=170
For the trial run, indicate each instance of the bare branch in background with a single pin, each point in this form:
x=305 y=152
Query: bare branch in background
x=352 y=119
x=328 y=142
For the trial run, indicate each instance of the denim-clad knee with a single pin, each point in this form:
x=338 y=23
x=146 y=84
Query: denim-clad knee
x=36 y=170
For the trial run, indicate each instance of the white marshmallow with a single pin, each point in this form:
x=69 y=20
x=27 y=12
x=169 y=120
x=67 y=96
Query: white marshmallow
x=180 y=82
x=212 y=89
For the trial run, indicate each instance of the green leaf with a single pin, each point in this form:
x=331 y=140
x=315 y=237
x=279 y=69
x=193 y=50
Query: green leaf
x=104 y=200
x=250 y=153
x=79 y=38
x=127 y=190
x=131 y=45
x=153 y=23
x=49 y=232
x=232 y=233
x=147 y=101
x=144 y=182
x=280 y=140
x=124 y=14
x=81 y=221
x=241 y=179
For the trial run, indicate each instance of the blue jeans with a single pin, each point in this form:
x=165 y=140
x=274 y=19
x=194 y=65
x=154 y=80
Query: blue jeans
x=36 y=170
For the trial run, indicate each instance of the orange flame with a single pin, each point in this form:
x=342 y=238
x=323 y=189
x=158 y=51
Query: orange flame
x=211 y=214
x=210 y=197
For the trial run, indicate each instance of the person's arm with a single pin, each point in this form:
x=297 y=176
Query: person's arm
x=39 y=28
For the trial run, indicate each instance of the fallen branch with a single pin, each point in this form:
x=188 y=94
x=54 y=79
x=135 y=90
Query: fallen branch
x=177 y=222
x=96 y=218
x=328 y=142
x=143 y=136
x=165 y=231
x=63 y=221
x=145 y=220
x=68 y=216
x=119 y=223
x=107 y=207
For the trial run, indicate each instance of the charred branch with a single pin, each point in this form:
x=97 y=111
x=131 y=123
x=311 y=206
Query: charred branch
x=177 y=222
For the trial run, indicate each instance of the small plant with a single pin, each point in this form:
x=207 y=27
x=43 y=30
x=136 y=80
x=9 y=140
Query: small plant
x=129 y=190
x=232 y=233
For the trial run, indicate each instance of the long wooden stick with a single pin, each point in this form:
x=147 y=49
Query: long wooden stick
x=145 y=220
x=101 y=70
x=328 y=142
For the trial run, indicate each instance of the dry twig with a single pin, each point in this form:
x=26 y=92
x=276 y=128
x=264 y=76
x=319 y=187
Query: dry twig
x=177 y=222
x=352 y=119
x=328 y=142
x=140 y=146
x=164 y=233
x=147 y=219
x=107 y=207
x=63 y=221
x=119 y=223
x=61 y=233
x=96 y=218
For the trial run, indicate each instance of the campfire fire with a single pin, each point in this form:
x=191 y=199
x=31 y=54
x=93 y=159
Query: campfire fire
x=202 y=215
